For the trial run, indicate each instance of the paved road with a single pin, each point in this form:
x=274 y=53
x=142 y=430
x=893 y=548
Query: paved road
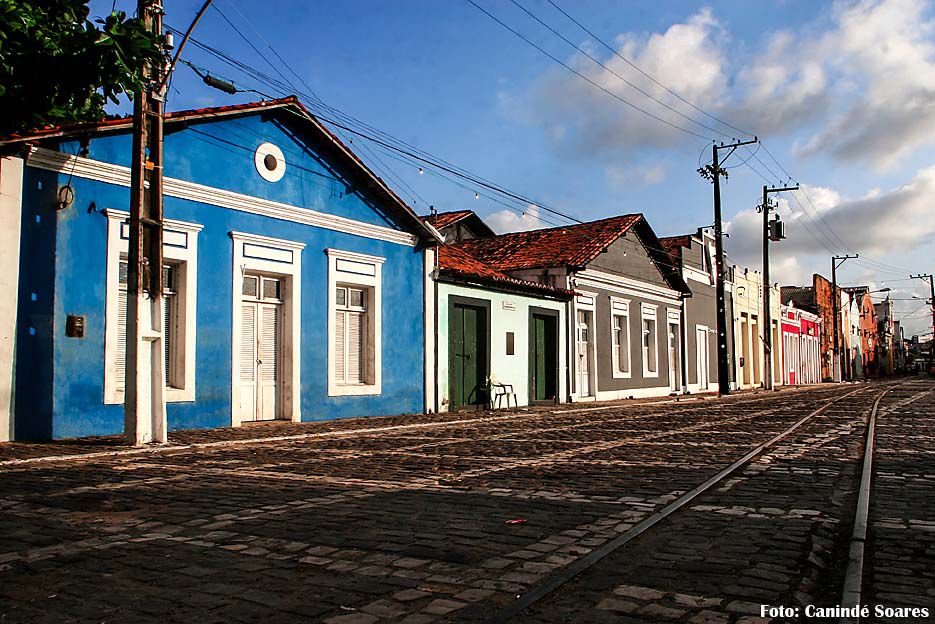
x=397 y=520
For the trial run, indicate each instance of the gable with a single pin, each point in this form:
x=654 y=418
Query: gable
x=628 y=256
x=219 y=152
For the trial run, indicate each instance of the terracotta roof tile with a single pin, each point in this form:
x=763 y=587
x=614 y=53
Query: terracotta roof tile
x=673 y=246
x=444 y=219
x=573 y=245
x=455 y=261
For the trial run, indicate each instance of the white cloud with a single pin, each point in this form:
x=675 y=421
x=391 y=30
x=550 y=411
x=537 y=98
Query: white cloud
x=506 y=221
x=888 y=46
x=688 y=58
x=623 y=178
x=879 y=223
x=863 y=88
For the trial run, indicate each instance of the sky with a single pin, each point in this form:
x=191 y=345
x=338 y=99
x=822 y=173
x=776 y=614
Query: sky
x=842 y=95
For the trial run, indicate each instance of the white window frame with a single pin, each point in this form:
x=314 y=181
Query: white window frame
x=621 y=308
x=347 y=268
x=648 y=312
x=281 y=258
x=180 y=246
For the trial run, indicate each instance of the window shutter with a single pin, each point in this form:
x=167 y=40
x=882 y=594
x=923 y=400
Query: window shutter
x=339 y=346
x=354 y=351
x=121 y=339
x=269 y=344
x=168 y=336
x=247 y=343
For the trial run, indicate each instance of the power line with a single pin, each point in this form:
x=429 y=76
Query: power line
x=624 y=80
x=582 y=76
x=634 y=66
x=390 y=143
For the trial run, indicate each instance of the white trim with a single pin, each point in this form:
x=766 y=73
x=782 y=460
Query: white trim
x=648 y=312
x=11 y=210
x=698 y=276
x=430 y=338
x=633 y=292
x=117 y=245
x=580 y=304
x=620 y=307
x=259 y=161
x=289 y=405
x=78 y=166
x=618 y=280
x=374 y=282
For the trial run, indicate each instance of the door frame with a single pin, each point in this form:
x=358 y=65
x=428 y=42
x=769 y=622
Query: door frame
x=585 y=301
x=534 y=310
x=699 y=329
x=278 y=258
x=484 y=306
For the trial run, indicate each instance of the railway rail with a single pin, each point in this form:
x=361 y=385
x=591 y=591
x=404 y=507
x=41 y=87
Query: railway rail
x=535 y=597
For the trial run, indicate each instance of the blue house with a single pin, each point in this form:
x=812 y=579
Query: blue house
x=296 y=280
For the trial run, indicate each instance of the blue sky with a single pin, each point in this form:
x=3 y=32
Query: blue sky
x=836 y=90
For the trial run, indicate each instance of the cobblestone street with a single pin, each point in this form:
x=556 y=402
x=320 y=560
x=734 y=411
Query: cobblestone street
x=450 y=518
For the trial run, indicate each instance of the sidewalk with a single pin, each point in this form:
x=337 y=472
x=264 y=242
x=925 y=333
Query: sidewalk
x=17 y=453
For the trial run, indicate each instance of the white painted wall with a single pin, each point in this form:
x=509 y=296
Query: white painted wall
x=11 y=195
x=513 y=369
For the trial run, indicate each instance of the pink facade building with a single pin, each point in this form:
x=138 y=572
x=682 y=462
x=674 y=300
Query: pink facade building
x=801 y=346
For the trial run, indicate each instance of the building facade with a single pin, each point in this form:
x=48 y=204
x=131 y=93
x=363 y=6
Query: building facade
x=624 y=323
x=694 y=255
x=801 y=345
x=295 y=279
x=749 y=344
x=499 y=340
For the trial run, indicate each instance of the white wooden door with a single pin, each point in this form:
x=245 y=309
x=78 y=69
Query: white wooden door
x=248 y=361
x=268 y=362
x=584 y=353
x=673 y=357
x=260 y=350
x=702 y=357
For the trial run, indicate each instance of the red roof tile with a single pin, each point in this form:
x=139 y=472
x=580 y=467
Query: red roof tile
x=673 y=246
x=573 y=245
x=456 y=262
x=444 y=219
x=290 y=102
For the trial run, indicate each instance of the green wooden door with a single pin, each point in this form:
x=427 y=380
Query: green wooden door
x=542 y=368
x=467 y=356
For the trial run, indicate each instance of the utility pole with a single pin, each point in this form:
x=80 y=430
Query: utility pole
x=144 y=379
x=836 y=261
x=928 y=276
x=768 y=236
x=714 y=173
x=144 y=406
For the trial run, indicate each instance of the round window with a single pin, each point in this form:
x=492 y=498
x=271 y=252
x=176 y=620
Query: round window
x=270 y=162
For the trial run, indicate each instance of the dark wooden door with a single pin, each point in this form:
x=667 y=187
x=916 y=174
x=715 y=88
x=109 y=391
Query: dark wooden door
x=467 y=356
x=543 y=359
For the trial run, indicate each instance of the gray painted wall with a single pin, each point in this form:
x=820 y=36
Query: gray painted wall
x=604 y=343
x=628 y=257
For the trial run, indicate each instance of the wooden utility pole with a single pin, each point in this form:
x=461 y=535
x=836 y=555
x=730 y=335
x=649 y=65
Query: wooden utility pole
x=767 y=290
x=723 y=361
x=836 y=261
x=144 y=379
x=928 y=276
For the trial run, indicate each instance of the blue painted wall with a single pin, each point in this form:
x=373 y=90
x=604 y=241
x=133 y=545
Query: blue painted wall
x=60 y=379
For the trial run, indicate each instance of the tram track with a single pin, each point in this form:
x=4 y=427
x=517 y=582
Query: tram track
x=534 y=597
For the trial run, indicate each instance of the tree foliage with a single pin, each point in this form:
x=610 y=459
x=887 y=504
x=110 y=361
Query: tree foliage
x=57 y=66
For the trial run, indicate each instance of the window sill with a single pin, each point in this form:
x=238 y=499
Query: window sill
x=173 y=395
x=620 y=375
x=354 y=390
